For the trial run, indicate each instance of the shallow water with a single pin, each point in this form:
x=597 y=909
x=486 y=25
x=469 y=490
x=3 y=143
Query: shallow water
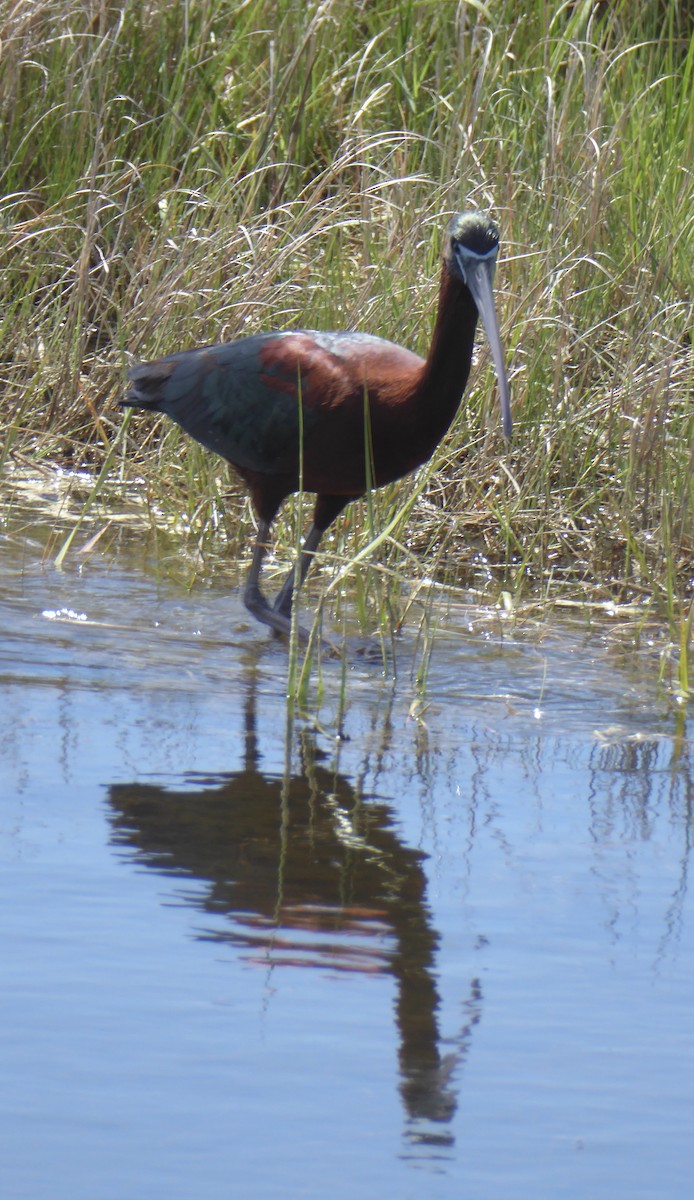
x=450 y=953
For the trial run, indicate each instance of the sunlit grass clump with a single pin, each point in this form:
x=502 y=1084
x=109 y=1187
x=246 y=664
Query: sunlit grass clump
x=175 y=174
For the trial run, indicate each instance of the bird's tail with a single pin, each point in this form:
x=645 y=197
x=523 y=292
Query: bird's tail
x=147 y=381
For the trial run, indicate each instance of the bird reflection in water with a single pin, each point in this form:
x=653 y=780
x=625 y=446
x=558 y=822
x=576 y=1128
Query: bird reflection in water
x=308 y=873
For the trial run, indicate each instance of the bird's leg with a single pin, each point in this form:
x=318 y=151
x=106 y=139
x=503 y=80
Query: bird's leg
x=253 y=598
x=327 y=508
x=285 y=596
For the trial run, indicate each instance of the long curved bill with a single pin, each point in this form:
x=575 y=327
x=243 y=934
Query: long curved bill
x=479 y=276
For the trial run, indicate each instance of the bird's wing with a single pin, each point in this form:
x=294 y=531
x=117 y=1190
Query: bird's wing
x=241 y=398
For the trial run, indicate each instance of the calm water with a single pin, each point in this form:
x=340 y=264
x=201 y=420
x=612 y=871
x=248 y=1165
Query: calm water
x=448 y=955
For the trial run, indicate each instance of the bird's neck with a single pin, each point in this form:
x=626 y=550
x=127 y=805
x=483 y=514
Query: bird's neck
x=447 y=365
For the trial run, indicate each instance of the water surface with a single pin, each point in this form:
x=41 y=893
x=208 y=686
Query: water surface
x=447 y=953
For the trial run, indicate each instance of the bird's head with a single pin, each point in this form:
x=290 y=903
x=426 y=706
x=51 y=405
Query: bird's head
x=470 y=251
x=471 y=235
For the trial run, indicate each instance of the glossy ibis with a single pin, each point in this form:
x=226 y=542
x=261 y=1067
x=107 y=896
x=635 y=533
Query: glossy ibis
x=254 y=400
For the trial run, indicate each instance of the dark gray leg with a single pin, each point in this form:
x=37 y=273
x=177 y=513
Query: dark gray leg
x=253 y=598
x=285 y=596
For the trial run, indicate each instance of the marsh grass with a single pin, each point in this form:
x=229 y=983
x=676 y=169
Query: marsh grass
x=176 y=174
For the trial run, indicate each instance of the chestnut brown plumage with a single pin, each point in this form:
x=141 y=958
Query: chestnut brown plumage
x=253 y=400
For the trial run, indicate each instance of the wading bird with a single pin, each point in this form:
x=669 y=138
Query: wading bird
x=290 y=410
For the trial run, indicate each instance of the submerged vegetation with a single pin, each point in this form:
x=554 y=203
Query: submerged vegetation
x=181 y=173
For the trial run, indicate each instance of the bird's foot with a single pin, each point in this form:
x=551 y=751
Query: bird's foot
x=280 y=620
x=258 y=606
x=324 y=644
x=283 y=608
